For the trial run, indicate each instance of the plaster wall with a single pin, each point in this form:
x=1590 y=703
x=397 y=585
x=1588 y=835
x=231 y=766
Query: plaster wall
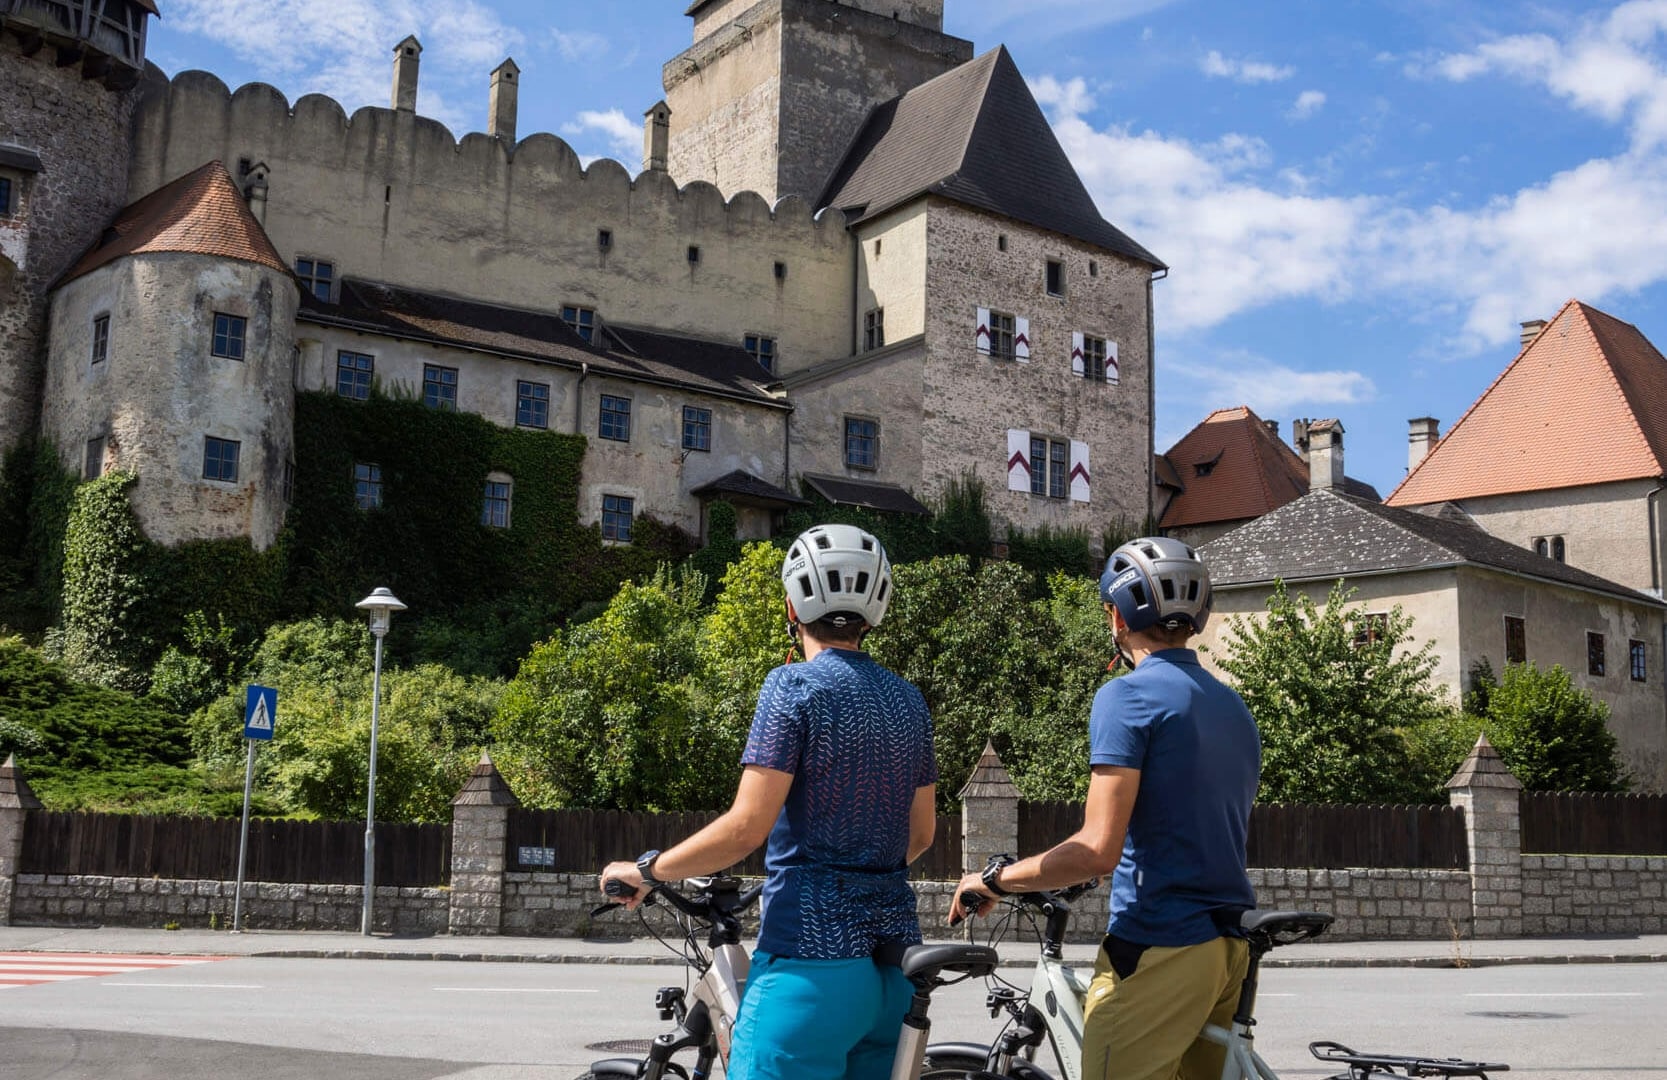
x=725 y=99
x=884 y=386
x=891 y=272
x=1605 y=527
x=971 y=400
x=161 y=392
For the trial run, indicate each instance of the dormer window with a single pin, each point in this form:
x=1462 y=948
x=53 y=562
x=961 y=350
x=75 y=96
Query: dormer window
x=582 y=320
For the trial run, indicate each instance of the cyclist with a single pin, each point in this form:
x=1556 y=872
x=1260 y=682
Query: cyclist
x=839 y=776
x=1175 y=760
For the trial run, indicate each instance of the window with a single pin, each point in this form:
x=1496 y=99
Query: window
x=617 y=511
x=604 y=239
x=1001 y=336
x=1094 y=357
x=1093 y=268
x=101 y=339
x=1595 y=660
x=532 y=404
x=762 y=349
x=287 y=488
x=317 y=277
x=228 y=335
x=616 y=418
x=581 y=319
x=878 y=245
x=781 y=271
x=353 y=374
x=1049 y=467
x=220 y=459
x=494 y=509
x=1056 y=278
x=440 y=387
x=367 y=486
x=5 y=196
x=1516 y=639
x=1001 y=241
x=1541 y=547
x=1550 y=547
x=93 y=466
x=1057 y=469
x=1370 y=628
x=1637 y=652
x=697 y=428
x=874 y=329
x=1557 y=548
x=694 y=254
x=862 y=443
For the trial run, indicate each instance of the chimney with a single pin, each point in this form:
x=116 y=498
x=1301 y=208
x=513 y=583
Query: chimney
x=656 y=136
x=406 y=56
x=1531 y=330
x=500 y=107
x=1272 y=426
x=1424 y=432
x=1325 y=455
x=254 y=190
x=1299 y=437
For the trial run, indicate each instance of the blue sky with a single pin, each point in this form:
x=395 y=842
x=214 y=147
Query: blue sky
x=1359 y=199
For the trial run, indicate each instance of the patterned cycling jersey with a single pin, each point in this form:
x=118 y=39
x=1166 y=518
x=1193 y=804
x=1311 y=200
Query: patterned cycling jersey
x=858 y=740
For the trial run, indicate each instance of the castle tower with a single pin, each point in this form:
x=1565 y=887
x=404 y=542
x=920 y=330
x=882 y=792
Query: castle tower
x=772 y=91
x=69 y=70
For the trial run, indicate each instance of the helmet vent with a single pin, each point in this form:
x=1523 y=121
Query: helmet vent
x=823 y=542
x=885 y=587
x=862 y=581
x=1168 y=588
x=867 y=544
x=1139 y=592
x=833 y=581
x=806 y=587
x=1192 y=589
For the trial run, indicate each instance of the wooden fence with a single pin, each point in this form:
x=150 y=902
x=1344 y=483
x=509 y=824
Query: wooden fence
x=1319 y=836
x=190 y=848
x=585 y=840
x=1560 y=823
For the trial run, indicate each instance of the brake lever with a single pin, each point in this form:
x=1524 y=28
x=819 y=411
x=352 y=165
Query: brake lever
x=598 y=912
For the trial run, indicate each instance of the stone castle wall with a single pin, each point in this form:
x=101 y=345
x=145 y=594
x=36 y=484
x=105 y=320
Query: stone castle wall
x=1594 y=894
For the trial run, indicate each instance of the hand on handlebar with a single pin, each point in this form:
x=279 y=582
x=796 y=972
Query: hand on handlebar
x=971 y=898
x=624 y=874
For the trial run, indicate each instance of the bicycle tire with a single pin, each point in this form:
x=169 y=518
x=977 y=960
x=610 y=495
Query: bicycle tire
x=950 y=1066
x=672 y=1069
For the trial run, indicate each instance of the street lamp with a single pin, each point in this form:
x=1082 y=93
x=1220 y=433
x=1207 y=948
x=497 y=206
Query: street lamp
x=381 y=604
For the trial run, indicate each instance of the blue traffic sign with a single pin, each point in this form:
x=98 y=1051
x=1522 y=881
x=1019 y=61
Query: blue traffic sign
x=261 y=715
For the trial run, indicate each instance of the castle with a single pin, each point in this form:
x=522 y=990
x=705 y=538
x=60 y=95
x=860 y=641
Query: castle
x=855 y=263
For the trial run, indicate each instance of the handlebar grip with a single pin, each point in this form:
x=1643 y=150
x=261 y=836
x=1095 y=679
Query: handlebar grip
x=968 y=897
x=616 y=887
x=749 y=897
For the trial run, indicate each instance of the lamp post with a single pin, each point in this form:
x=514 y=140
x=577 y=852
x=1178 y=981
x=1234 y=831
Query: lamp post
x=381 y=604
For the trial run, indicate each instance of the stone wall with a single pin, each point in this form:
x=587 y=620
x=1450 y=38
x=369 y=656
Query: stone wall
x=1594 y=894
x=1374 y=904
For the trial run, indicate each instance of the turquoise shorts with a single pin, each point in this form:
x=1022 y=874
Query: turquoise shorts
x=818 y=1020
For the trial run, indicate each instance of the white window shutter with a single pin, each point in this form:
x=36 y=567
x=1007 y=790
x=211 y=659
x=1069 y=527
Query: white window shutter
x=1079 y=471
x=1021 y=340
x=1111 y=362
x=1076 y=352
x=982 y=336
x=1018 y=460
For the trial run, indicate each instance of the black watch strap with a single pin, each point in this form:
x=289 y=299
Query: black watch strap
x=992 y=876
x=645 y=866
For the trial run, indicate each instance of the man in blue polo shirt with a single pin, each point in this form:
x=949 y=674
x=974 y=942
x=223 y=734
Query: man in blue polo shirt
x=839 y=776
x=1175 y=761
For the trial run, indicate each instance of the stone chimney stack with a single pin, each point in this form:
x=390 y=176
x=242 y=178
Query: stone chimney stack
x=1272 y=426
x=1299 y=438
x=656 y=137
x=407 y=54
x=1423 y=433
x=1325 y=455
x=1531 y=330
x=501 y=106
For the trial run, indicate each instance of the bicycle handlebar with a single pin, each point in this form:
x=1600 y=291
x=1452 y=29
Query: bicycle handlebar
x=702 y=906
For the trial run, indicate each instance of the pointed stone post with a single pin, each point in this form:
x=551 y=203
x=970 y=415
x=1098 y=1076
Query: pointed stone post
x=989 y=812
x=1492 y=802
x=16 y=800
x=479 y=836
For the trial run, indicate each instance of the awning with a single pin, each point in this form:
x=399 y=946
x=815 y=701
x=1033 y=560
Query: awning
x=868 y=494
x=743 y=487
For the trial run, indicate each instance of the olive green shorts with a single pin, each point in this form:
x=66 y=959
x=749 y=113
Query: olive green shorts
x=1144 y=1024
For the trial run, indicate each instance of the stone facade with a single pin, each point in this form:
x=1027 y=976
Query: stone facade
x=1594 y=894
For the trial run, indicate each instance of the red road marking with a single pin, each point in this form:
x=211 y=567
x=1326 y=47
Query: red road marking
x=32 y=969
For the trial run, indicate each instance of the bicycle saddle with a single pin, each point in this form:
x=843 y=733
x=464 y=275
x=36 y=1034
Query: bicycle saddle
x=1284 y=927
x=928 y=961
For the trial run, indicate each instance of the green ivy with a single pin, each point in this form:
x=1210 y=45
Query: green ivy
x=106 y=589
x=35 y=496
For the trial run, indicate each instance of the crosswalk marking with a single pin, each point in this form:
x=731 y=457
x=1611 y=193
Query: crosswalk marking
x=33 y=969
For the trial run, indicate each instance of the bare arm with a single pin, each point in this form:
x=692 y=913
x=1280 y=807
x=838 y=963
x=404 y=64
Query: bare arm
x=923 y=820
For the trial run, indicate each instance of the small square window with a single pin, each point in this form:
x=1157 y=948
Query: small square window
x=694 y=253
x=1093 y=268
x=1637 y=656
x=317 y=277
x=879 y=245
x=1001 y=336
x=1516 y=639
x=93 y=466
x=605 y=239
x=697 y=428
x=615 y=422
x=440 y=387
x=874 y=329
x=1056 y=278
x=532 y=404
x=762 y=349
x=5 y=196
x=101 y=339
x=582 y=320
x=1001 y=241
x=494 y=510
x=353 y=374
x=781 y=271
x=367 y=485
x=228 y=335
x=1370 y=628
x=862 y=443
x=220 y=459
x=617 y=512
x=1596 y=662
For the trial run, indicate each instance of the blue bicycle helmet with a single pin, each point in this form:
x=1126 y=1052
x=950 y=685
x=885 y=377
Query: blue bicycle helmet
x=1157 y=581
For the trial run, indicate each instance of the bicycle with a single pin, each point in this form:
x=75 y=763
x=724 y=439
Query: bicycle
x=705 y=1013
x=1062 y=992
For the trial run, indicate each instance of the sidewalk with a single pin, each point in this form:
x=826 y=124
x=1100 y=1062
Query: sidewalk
x=330 y=944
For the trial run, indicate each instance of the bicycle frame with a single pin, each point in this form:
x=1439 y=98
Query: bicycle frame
x=1243 y=1062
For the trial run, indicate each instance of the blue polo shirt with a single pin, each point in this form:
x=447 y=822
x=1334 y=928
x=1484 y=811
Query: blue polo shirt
x=1200 y=758
x=858 y=740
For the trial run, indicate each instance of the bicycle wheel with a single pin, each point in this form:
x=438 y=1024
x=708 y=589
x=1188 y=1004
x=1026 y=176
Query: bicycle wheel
x=950 y=1066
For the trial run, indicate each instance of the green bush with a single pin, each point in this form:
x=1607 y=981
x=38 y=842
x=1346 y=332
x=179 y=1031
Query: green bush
x=1553 y=735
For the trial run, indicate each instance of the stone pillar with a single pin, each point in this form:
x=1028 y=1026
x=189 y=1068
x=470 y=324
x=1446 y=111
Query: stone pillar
x=479 y=835
x=1491 y=799
x=407 y=57
x=989 y=812
x=16 y=800
x=656 y=137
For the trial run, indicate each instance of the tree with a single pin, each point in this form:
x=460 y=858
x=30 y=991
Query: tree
x=1553 y=735
x=1335 y=694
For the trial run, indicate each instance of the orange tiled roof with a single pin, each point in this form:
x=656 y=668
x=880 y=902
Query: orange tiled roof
x=201 y=213
x=1584 y=403
x=1248 y=470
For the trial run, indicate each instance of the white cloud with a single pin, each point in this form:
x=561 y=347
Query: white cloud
x=624 y=137
x=1049 y=18
x=1217 y=66
x=1241 y=377
x=1307 y=104
x=577 y=45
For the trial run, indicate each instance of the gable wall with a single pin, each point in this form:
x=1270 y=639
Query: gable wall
x=1606 y=527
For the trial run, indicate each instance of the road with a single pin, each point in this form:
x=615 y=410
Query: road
x=295 y=1019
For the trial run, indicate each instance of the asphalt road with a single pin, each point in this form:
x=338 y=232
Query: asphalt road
x=289 y=1019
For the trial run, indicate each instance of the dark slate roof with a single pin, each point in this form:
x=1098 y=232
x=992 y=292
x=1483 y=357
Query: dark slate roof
x=745 y=485
x=486 y=787
x=990 y=778
x=868 y=494
x=1325 y=535
x=647 y=356
x=18 y=157
x=1484 y=768
x=975 y=135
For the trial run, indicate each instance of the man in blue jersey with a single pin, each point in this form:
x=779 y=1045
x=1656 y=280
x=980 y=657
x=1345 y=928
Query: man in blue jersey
x=839 y=776
x=1175 y=762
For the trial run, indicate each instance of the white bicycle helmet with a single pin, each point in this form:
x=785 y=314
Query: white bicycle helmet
x=1157 y=580
x=839 y=571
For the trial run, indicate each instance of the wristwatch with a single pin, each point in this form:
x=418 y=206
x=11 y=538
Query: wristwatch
x=645 y=867
x=992 y=874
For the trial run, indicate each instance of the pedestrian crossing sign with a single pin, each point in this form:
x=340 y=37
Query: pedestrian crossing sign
x=261 y=715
